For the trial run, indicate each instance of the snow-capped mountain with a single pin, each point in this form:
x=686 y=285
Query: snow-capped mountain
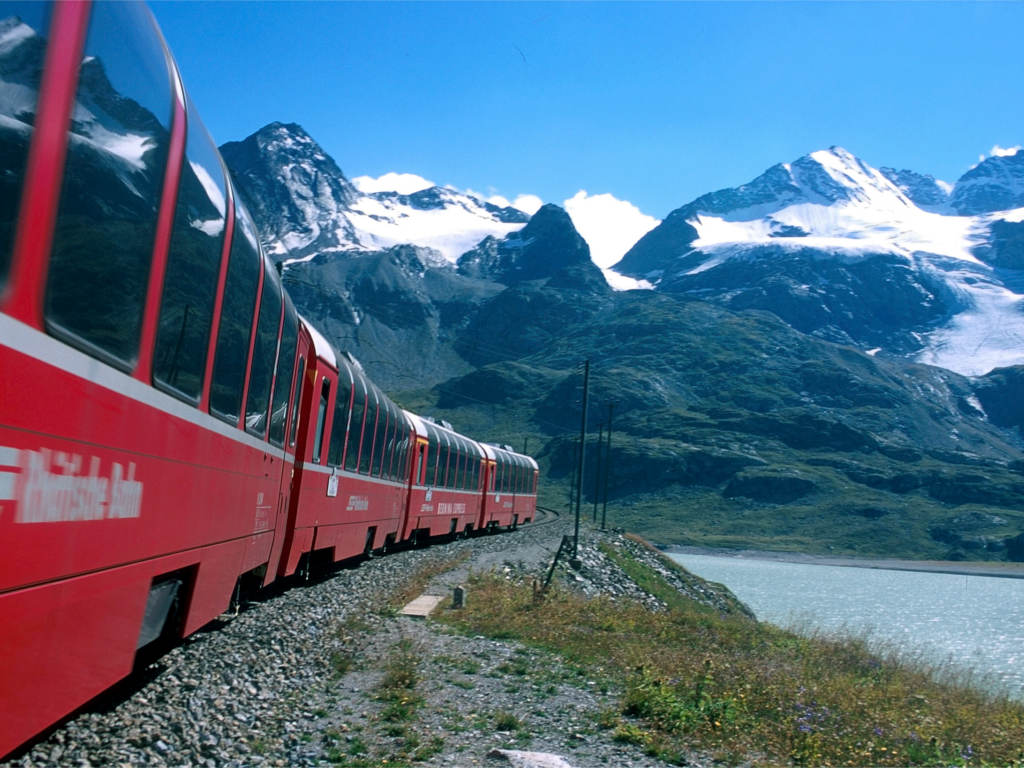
x=892 y=261
x=306 y=205
x=879 y=259
x=995 y=184
x=923 y=190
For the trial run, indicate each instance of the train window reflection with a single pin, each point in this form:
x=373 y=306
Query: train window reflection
x=321 y=418
x=368 y=433
x=296 y=402
x=355 y=429
x=117 y=153
x=22 y=49
x=283 y=377
x=235 y=321
x=264 y=354
x=380 y=441
x=339 y=428
x=433 y=450
x=193 y=266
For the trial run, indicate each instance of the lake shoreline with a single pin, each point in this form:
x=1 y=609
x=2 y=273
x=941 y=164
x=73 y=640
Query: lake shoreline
x=1001 y=570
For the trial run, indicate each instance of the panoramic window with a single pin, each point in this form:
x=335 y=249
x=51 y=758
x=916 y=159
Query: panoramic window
x=235 y=320
x=117 y=153
x=295 y=403
x=339 y=426
x=21 y=68
x=283 y=376
x=369 y=433
x=355 y=428
x=459 y=460
x=264 y=354
x=432 y=454
x=388 y=469
x=448 y=457
x=402 y=448
x=193 y=266
x=321 y=418
x=380 y=439
x=387 y=443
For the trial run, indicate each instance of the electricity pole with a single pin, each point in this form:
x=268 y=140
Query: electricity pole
x=597 y=468
x=607 y=467
x=572 y=478
x=579 y=472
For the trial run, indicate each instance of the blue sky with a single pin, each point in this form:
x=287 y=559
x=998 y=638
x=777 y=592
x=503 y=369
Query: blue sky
x=654 y=103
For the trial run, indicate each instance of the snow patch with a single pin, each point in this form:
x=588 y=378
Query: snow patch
x=212 y=189
x=990 y=334
x=847 y=228
x=13 y=33
x=451 y=230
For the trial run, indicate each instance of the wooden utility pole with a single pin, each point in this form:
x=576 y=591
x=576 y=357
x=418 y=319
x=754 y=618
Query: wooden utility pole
x=579 y=465
x=607 y=467
x=597 y=467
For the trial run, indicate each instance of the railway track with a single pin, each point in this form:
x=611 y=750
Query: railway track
x=202 y=702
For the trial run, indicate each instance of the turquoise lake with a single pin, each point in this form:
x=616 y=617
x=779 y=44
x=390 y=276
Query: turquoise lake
x=972 y=624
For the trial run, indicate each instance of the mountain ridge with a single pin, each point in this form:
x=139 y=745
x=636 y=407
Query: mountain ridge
x=306 y=205
x=827 y=225
x=733 y=425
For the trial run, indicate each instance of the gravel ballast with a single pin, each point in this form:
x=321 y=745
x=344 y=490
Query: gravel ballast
x=295 y=679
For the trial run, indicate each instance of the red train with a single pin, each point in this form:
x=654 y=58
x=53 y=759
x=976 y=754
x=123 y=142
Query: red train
x=169 y=425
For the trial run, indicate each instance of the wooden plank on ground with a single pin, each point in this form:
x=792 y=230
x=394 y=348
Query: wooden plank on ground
x=422 y=606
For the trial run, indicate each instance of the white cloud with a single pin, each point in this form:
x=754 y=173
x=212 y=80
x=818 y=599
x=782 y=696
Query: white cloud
x=609 y=225
x=998 y=151
x=402 y=183
x=528 y=204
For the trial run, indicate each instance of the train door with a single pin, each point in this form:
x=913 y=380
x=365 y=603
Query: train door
x=417 y=477
x=486 y=508
x=295 y=442
x=285 y=424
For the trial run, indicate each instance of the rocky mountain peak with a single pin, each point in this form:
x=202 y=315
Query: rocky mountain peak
x=921 y=188
x=548 y=247
x=305 y=205
x=293 y=188
x=995 y=184
x=828 y=177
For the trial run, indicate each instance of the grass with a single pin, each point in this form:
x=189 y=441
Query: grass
x=652 y=582
x=506 y=721
x=742 y=691
x=413 y=586
x=397 y=689
x=392 y=739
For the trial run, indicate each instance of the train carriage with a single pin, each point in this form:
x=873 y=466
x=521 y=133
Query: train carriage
x=147 y=354
x=170 y=428
x=444 y=488
x=351 y=466
x=509 y=489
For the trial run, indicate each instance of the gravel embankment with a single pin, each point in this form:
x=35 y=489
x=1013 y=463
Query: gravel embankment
x=294 y=679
